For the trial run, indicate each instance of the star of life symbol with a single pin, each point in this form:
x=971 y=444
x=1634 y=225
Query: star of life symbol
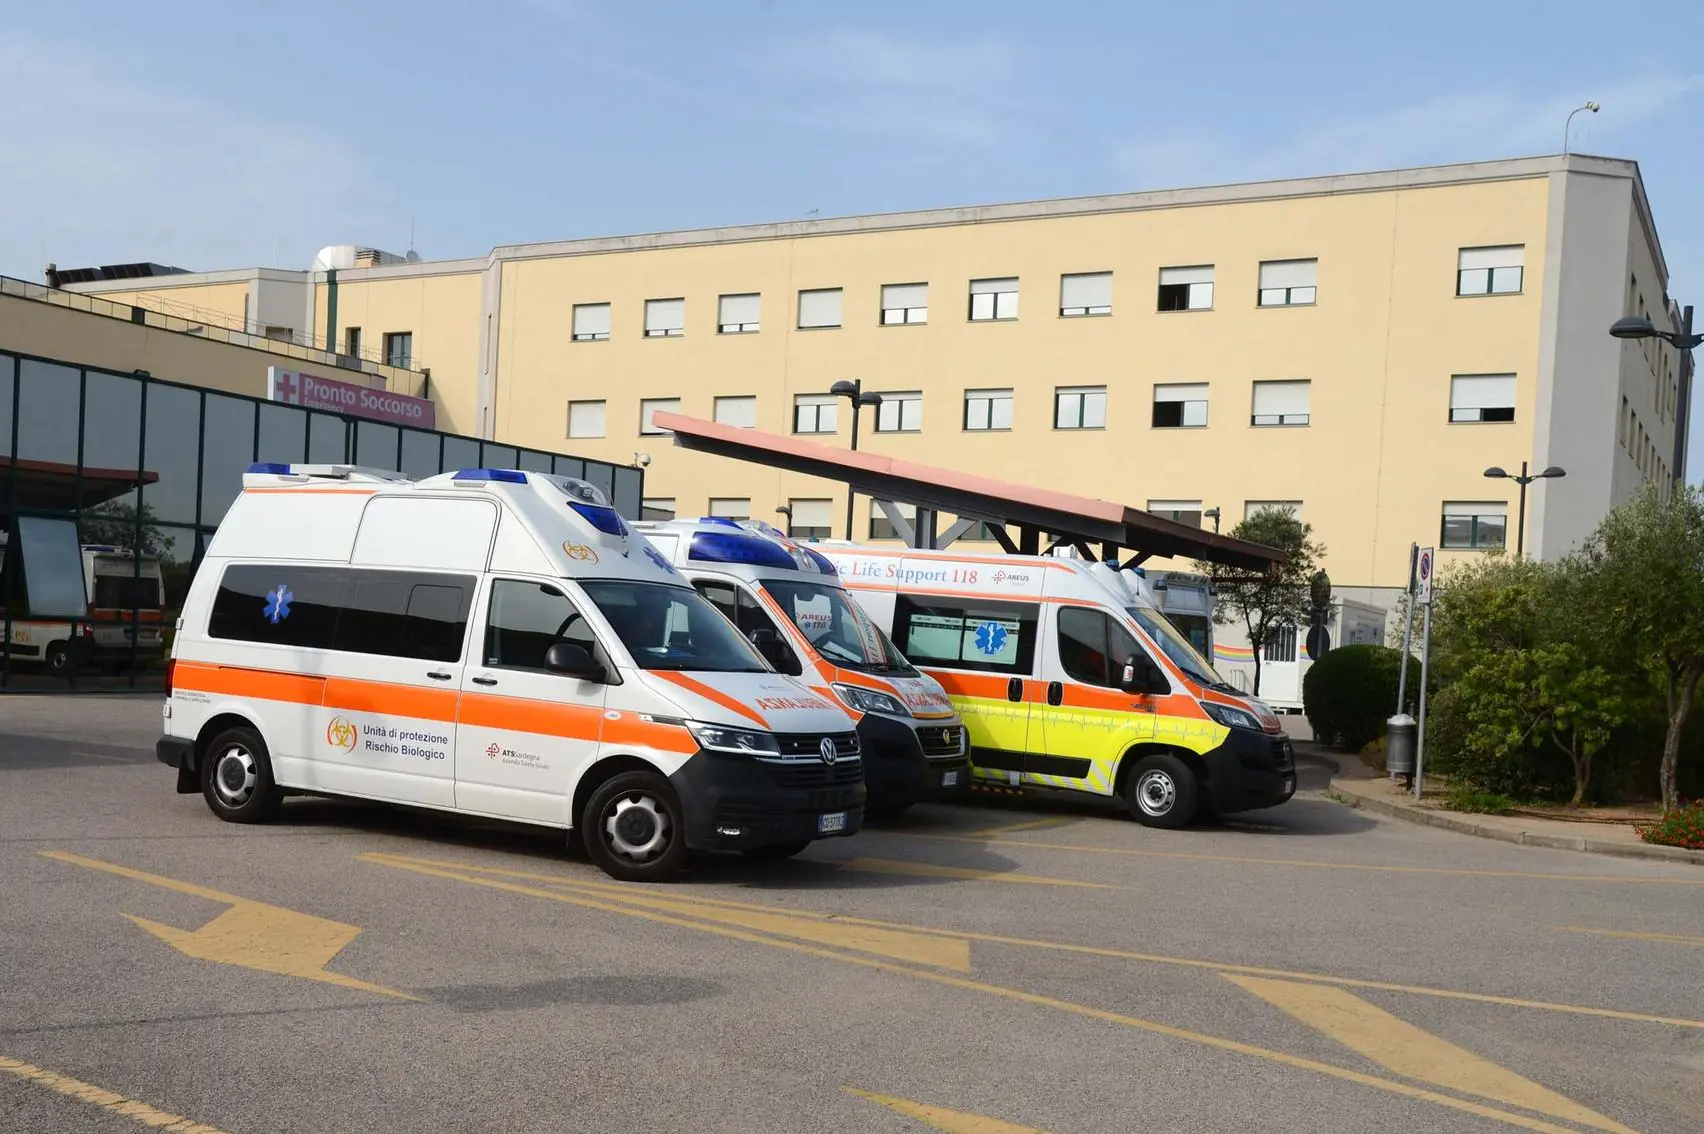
x=278 y=604
x=991 y=638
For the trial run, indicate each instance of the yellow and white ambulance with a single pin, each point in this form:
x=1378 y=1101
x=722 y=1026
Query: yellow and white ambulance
x=493 y=642
x=787 y=599
x=1070 y=678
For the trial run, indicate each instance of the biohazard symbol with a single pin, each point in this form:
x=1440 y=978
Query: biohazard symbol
x=580 y=552
x=340 y=734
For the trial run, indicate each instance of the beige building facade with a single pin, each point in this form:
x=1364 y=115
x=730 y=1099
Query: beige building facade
x=1359 y=347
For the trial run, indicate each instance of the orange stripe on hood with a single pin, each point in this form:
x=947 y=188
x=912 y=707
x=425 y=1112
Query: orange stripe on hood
x=693 y=685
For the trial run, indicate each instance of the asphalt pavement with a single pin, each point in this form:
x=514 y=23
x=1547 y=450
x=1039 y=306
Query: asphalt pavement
x=1004 y=966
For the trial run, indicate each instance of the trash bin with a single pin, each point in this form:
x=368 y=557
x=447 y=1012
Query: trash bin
x=1401 y=737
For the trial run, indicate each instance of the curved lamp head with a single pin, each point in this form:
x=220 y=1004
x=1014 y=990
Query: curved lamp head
x=1494 y=472
x=1554 y=470
x=1633 y=327
x=844 y=389
x=869 y=399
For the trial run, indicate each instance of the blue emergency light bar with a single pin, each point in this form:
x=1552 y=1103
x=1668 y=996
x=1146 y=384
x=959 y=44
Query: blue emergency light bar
x=601 y=516
x=496 y=476
x=732 y=547
x=267 y=467
x=823 y=562
x=724 y=521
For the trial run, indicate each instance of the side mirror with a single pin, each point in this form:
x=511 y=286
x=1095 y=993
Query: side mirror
x=775 y=651
x=1142 y=675
x=571 y=660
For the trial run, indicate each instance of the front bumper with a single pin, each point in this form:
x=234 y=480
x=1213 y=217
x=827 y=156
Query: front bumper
x=898 y=768
x=1250 y=770
x=735 y=802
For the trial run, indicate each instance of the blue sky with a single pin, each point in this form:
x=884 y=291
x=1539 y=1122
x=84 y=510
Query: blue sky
x=212 y=134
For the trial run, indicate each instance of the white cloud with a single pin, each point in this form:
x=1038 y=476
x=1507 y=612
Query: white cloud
x=103 y=165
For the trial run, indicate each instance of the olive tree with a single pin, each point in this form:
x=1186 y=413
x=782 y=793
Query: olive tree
x=1266 y=604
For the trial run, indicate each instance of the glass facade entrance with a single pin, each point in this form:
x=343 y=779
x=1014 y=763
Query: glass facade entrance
x=112 y=484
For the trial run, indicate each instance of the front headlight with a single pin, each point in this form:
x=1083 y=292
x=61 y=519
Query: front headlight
x=744 y=741
x=1232 y=717
x=871 y=700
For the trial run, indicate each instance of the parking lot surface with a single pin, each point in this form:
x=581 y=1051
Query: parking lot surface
x=1008 y=966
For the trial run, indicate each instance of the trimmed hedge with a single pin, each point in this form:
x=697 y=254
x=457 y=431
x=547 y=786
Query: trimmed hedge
x=1349 y=694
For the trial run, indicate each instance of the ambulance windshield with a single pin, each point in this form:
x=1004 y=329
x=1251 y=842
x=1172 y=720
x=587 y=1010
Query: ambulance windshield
x=666 y=627
x=836 y=627
x=1176 y=647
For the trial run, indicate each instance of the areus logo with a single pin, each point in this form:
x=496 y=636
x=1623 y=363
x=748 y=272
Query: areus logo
x=341 y=734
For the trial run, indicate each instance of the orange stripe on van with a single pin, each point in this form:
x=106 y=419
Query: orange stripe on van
x=394 y=700
x=693 y=685
x=994 y=596
x=261 y=684
x=628 y=731
x=520 y=714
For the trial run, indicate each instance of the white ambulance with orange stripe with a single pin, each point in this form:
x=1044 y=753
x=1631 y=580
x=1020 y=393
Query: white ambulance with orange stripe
x=498 y=643
x=1071 y=679
x=787 y=599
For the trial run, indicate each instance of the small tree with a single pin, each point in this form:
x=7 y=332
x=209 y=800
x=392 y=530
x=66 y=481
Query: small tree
x=1645 y=586
x=1265 y=604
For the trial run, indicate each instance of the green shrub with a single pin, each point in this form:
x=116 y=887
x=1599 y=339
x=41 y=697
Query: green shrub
x=1465 y=797
x=1373 y=754
x=1682 y=827
x=1350 y=692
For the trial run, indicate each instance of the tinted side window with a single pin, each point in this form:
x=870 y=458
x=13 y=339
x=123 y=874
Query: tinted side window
x=980 y=634
x=389 y=613
x=526 y=620
x=283 y=604
x=436 y=623
x=1083 y=645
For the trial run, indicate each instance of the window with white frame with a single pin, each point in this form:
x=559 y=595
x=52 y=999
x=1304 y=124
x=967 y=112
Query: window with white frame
x=739 y=314
x=819 y=308
x=986 y=410
x=741 y=411
x=905 y=303
x=900 y=413
x=1288 y=283
x=1475 y=526
x=1180 y=405
x=591 y=322
x=1482 y=397
x=1491 y=271
x=586 y=419
x=1085 y=293
x=665 y=318
x=731 y=507
x=994 y=299
x=1281 y=403
x=1252 y=507
x=810 y=519
x=1186 y=289
x=815 y=413
x=657 y=508
x=1079 y=407
x=1183 y=511
x=649 y=407
x=881 y=527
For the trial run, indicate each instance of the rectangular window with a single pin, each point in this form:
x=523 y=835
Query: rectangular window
x=1288 y=283
x=651 y=406
x=741 y=411
x=1092 y=647
x=1482 y=397
x=820 y=308
x=1186 y=289
x=882 y=528
x=1281 y=403
x=731 y=507
x=1475 y=525
x=1079 y=407
x=1085 y=293
x=1281 y=645
x=399 y=348
x=1183 y=511
x=1250 y=507
x=525 y=619
x=739 y=314
x=900 y=413
x=974 y=634
x=665 y=318
x=905 y=303
x=585 y=419
x=987 y=410
x=657 y=508
x=815 y=413
x=1180 y=405
x=390 y=613
x=352 y=342
x=810 y=519
x=1491 y=271
x=591 y=322
x=994 y=299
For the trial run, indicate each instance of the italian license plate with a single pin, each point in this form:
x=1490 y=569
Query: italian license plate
x=1289 y=783
x=830 y=823
x=949 y=779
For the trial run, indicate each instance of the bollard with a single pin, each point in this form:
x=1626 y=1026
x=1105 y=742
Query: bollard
x=1400 y=739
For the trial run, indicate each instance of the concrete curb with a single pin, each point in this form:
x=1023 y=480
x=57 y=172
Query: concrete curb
x=1466 y=825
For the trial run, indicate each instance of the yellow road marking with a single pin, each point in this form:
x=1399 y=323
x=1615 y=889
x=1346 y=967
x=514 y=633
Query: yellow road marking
x=252 y=935
x=1403 y=1048
x=1676 y=938
x=619 y=904
x=617 y=890
x=1026 y=825
x=952 y=1121
x=1249 y=860
x=105 y=1099
x=929 y=870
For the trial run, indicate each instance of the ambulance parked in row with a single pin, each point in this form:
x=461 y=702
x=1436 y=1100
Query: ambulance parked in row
x=787 y=599
x=497 y=643
x=1071 y=679
x=115 y=584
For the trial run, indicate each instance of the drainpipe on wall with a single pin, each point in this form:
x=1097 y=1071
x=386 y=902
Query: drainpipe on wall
x=1683 y=396
x=331 y=309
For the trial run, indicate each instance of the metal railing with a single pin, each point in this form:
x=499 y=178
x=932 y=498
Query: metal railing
x=217 y=326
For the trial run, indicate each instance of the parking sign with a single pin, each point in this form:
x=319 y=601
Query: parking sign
x=1423 y=572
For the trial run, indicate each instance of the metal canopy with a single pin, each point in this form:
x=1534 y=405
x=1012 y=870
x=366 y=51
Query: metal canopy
x=53 y=485
x=1038 y=513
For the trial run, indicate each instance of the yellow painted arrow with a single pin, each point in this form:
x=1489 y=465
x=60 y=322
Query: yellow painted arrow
x=952 y=1121
x=252 y=935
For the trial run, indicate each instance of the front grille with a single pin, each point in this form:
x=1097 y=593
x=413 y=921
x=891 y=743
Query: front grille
x=817 y=774
x=809 y=744
x=942 y=740
x=1284 y=754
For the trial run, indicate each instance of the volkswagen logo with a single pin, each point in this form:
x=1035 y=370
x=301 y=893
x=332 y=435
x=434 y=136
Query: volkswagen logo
x=829 y=755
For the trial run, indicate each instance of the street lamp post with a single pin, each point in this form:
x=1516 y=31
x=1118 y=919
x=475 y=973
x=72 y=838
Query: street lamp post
x=1212 y=514
x=853 y=391
x=1683 y=340
x=1568 y=125
x=1523 y=479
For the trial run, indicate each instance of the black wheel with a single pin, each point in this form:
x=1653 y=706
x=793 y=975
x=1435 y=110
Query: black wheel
x=1162 y=792
x=59 y=659
x=775 y=852
x=632 y=828
x=236 y=777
